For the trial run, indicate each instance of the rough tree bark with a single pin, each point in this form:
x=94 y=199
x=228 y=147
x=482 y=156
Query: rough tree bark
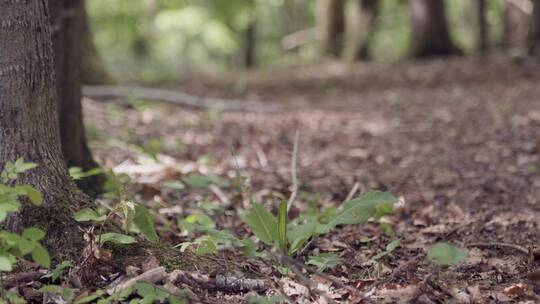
x=430 y=34
x=483 y=39
x=360 y=29
x=66 y=34
x=29 y=123
x=534 y=31
x=331 y=20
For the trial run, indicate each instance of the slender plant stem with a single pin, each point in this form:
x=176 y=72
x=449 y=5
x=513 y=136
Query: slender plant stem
x=294 y=192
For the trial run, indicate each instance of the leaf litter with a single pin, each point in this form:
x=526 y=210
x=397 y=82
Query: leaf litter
x=457 y=141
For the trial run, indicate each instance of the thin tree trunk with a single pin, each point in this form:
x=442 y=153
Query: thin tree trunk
x=93 y=69
x=67 y=54
x=360 y=30
x=483 y=39
x=250 y=38
x=534 y=31
x=430 y=32
x=516 y=26
x=331 y=20
x=29 y=124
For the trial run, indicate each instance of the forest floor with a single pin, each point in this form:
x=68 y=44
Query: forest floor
x=458 y=141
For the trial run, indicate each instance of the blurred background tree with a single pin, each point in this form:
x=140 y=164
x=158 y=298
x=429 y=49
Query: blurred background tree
x=166 y=40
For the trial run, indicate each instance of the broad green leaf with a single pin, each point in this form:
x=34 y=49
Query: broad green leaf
x=87 y=214
x=299 y=234
x=77 y=173
x=41 y=256
x=6 y=263
x=206 y=247
x=34 y=234
x=116 y=238
x=33 y=194
x=174 y=184
x=444 y=254
x=202 y=181
x=282 y=226
x=148 y=290
x=25 y=246
x=324 y=261
x=7 y=207
x=145 y=223
x=88 y=299
x=20 y=166
x=389 y=248
x=57 y=272
x=359 y=210
x=200 y=221
x=249 y=247
x=144 y=289
x=262 y=223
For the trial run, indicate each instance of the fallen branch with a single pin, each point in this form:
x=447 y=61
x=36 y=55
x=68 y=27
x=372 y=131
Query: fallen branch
x=151 y=276
x=229 y=284
x=501 y=245
x=18 y=278
x=178 y=98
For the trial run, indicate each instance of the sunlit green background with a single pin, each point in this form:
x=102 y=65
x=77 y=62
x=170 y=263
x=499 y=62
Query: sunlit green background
x=166 y=40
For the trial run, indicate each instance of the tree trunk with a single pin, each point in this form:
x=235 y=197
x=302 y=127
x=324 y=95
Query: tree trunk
x=483 y=39
x=360 y=29
x=430 y=29
x=67 y=54
x=331 y=20
x=515 y=25
x=534 y=31
x=29 y=124
x=250 y=36
x=93 y=69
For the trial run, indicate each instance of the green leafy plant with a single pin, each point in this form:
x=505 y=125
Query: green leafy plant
x=68 y=294
x=444 y=254
x=101 y=297
x=290 y=237
x=134 y=217
x=212 y=238
x=57 y=272
x=77 y=173
x=198 y=181
x=16 y=246
x=389 y=248
x=324 y=261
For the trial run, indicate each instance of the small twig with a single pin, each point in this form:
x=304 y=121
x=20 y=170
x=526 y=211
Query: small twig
x=222 y=283
x=353 y=191
x=220 y=195
x=503 y=245
x=334 y=280
x=294 y=192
